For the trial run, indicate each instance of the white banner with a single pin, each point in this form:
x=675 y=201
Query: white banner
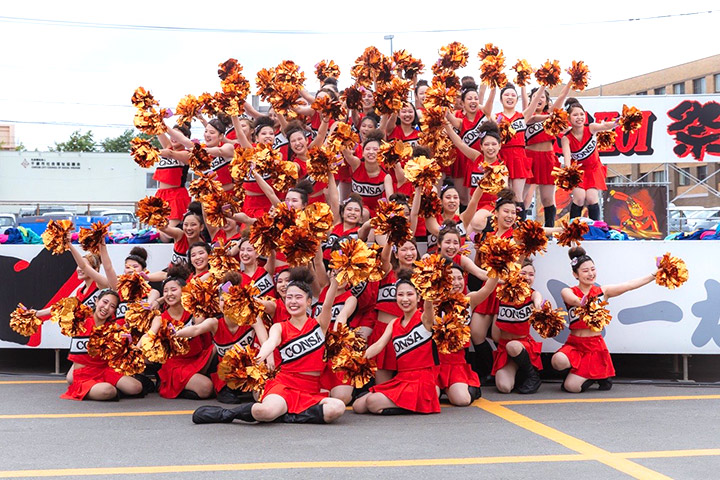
x=651 y=319
x=50 y=337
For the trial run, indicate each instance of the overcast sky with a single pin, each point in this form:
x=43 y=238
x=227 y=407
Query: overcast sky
x=74 y=65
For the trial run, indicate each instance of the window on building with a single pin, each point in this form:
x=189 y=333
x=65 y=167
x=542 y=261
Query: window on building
x=149 y=182
x=658 y=177
x=641 y=93
x=679 y=88
x=702 y=172
x=684 y=177
x=660 y=91
x=699 y=85
x=717 y=82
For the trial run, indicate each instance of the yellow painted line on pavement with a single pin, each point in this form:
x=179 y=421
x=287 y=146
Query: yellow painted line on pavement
x=701 y=452
x=548 y=401
x=580 y=446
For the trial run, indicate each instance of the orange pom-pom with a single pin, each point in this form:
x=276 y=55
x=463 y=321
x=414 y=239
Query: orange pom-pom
x=342 y=137
x=631 y=119
x=579 y=75
x=55 y=236
x=548 y=322
x=451 y=333
x=329 y=107
x=199 y=160
x=389 y=96
x=316 y=218
x=494 y=178
x=507 y=132
x=91 y=238
x=221 y=262
x=240 y=369
x=432 y=277
x=353 y=262
x=70 y=315
x=411 y=66
x=491 y=71
x=266 y=230
x=567 y=178
x=390 y=220
x=200 y=297
x=592 y=311
x=132 y=287
x=205 y=184
x=142 y=99
x=187 y=108
x=422 y=172
x=572 y=233
x=241 y=305
x=548 y=74
x=393 y=152
x=530 y=237
x=524 y=71
x=557 y=122
x=143 y=152
x=352 y=97
x=606 y=139
x=321 y=163
x=326 y=69
x=452 y=56
x=672 y=272
x=153 y=211
x=515 y=290
x=499 y=256
x=299 y=245
x=24 y=321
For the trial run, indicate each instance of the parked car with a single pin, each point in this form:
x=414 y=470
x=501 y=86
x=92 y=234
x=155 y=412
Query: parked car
x=122 y=220
x=707 y=219
x=7 y=220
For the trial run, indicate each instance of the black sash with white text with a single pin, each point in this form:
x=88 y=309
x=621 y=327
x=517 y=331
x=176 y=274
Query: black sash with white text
x=585 y=151
x=78 y=345
x=368 y=189
x=247 y=339
x=415 y=338
x=303 y=345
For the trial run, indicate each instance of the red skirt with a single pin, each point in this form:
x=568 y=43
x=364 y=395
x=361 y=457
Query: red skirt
x=300 y=391
x=542 y=167
x=255 y=206
x=489 y=306
x=501 y=357
x=177 y=372
x=178 y=198
x=330 y=379
x=594 y=177
x=364 y=319
x=386 y=359
x=413 y=390
x=454 y=369
x=87 y=377
x=516 y=162
x=589 y=357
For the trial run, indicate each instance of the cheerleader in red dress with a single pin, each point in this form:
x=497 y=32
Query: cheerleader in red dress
x=403 y=125
x=184 y=376
x=171 y=174
x=454 y=375
x=89 y=377
x=421 y=88
x=252 y=271
x=297 y=136
x=513 y=151
x=225 y=335
x=294 y=395
x=585 y=355
x=189 y=233
x=540 y=150
x=414 y=387
x=518 y=355
x=450 y=200
x=369 y=180
x=198 y=258
x=579 y=146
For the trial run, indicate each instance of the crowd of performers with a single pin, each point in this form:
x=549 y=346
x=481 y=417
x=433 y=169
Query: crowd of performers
x=348 y=249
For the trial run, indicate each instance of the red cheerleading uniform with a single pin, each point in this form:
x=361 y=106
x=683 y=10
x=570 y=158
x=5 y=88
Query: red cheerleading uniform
x=180 y=249
x=412 y=138
x=178 y=370
x=222 y=238
x=513 y=152
x=589 y=356
x=336 y=234
x=585 y=153
x=256 y=203
x=93 y=370
x=453 y=368
x=471 y=136
x=224 y=340
x=413 y=388
x=491 y=304
x=541 y=162
x=302 y=351
x=330 y=379
x=87 y=295
x=385 y=302
x=318 y=187
x=365 y=314
x=515 y=319
x=487 y=200
x=263 y=281
x=221 y=166
x=371 y=189
x=172 y=172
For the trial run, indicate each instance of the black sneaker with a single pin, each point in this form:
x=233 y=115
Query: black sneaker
x=605 y=384
x=212 y=414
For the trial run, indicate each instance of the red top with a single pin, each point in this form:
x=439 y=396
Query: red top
x=475 y=177
x=536 y=133
x=221 y=237
x=170 y=171
x=337 y=233
x=180 y=249
x=413 y=344
x=87 y=296
x=366 y=294
x=338 y=305
x=281 y=313
x=302 y=350
x=78 y=347
x=249 y=183
x=470 y=129
x=386 y=296
x=221 y=166
x=397 y=134
x=263 y=281
x=224 y=339
x=371 y=189
x=197 y=344
x=318 y=187
x=575 y=323
x=583 y=151
x=515 y=318
x=517 y=122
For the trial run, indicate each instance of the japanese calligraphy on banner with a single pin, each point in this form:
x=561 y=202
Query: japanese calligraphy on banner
x=641 y=212
x=675 y=128
x=651 y=319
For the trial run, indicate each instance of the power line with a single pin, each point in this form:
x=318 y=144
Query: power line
x=113 y=26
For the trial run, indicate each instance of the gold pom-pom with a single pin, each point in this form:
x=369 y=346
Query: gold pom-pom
x=159 y=347
x=321 y=163
x=139 y=317
x=515 y=290
x=240 y=369
x=187 y=108
x=150 y=121
x=200 y=297
x=494 y=178
x=368 y=66
x=430 y=204
x=432 y=277
x=452 y=56
x=342 y=137
x=409 y=65
x=453 y=303
x=572 y=233
x=451 y=333
x=108 y=341
x=557 y=122
x=376 y=272
x=491 y=71
x=266 y=159
x=299 y=245
x=548 y=74
x=345 y=350
x=567 y=178
x=631 y=119
x=142 y=99
x=214 y=204
x=285 y=175
x=530 y=237
x=352 y=97
x=329 y=107
x=90 y=238
x=592 y=311
x=390 y=220
x=130 y=362
x=70 y=315
x=524 y=71
x=393 y=152
x=266 y=230
x=199 y=160
x=326 y=69
x=240 y=164
x=23 y=321
x=507 y=132
x=144 y=152
x=132 y=287
x=440 y=96
x=606 y=139
x=548 y=322
x=221 y=261
x=205 y=184
x=353 y=262
x=672 y=271
x=579 y=75
x=389 y=96
x=55 y=236
x=422 y=172
x=317 y=218
x=241 y=305
x=489 y=50
x=499 y=256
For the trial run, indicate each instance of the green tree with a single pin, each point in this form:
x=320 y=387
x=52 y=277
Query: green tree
x=20 y=147
x=78 y=142
x=121 y=143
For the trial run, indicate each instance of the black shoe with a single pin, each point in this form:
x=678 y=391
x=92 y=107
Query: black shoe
x=212 y=414
x=148 y=386
x=395 y=411
x=605 y=384
x=189 y=395
x=228 y=395
x=475 y=393
x=487 y=381
x=587 y=384
x=531 y=382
